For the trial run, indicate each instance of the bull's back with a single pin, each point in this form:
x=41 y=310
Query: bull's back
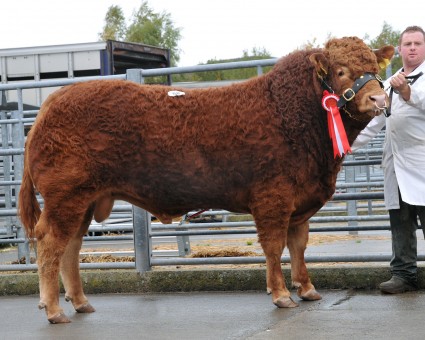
x=118 y=108
x=141 y=141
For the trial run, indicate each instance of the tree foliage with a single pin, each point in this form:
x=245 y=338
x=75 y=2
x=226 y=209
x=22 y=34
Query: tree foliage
x=114 y=28
x=243 y=73
x=388 y=36
x=146 y=27
x=310 y=44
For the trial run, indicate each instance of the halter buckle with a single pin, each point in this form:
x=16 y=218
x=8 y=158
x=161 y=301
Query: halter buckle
x=351 y=94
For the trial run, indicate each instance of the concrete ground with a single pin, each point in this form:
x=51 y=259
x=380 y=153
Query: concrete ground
x=227 y=302
x=341 y=314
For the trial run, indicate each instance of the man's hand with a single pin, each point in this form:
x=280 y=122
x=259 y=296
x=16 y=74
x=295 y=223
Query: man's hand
x=400 y=85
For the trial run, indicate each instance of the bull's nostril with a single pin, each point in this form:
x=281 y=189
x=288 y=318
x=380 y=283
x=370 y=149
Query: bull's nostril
x=380 y=101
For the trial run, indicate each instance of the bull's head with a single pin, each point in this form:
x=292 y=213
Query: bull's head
x=349 y=68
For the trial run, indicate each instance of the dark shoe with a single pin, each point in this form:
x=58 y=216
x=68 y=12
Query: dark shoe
x=396 y=285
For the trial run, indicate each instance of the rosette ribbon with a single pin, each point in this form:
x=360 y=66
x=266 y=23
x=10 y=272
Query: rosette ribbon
x=335 y=126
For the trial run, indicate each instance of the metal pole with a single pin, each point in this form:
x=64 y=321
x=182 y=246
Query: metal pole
x=183 y=242
x=135 y=75
x=6 y=172
x=259 y=70
x=351 y=204
x=18 y=140
x=141 y=218
x=142 y=240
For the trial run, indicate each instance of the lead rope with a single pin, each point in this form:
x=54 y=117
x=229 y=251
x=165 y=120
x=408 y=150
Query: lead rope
x=410 y=81
x=189 y=217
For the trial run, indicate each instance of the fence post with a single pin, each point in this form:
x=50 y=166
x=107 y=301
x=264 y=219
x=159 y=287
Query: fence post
x=351 y=204
x=18 y=141
x=141 y=218
x=142 y=240
x=135 y=74
x=259 y=70
x=7 y=174
x=183 y=242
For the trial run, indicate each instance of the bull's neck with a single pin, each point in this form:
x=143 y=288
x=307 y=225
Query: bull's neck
x=352 y=127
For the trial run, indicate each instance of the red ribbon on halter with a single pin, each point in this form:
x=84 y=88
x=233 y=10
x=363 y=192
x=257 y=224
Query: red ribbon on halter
x=335 y=125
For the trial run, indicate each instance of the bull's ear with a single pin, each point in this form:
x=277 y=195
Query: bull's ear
x=320 y=63
x=384 y=55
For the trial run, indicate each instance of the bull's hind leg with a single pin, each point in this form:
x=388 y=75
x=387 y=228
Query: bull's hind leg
x=297 y=244
x=51 y=244
x=53 y=231
x=70 y=269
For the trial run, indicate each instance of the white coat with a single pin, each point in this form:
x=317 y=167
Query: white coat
x=403 y=159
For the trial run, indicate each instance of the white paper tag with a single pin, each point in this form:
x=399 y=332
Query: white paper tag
x=176 y=93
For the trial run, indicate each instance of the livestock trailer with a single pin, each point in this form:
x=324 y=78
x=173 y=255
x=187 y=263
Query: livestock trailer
x=57 y=62
x=72 y=61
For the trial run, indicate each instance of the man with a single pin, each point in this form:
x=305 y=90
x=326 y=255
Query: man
x=403 y=159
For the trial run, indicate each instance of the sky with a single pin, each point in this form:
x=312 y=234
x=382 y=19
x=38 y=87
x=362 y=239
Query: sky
x=218 y=29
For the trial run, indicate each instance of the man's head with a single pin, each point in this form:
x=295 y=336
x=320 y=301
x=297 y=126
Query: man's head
x=412 y=47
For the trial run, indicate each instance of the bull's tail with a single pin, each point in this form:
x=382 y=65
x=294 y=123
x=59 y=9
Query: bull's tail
x=28 y=207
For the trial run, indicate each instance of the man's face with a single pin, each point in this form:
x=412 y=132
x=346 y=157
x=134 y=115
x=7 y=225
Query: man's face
x=412 y=49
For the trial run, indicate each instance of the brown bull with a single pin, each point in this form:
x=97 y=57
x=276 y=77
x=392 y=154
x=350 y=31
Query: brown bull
x=259 y=147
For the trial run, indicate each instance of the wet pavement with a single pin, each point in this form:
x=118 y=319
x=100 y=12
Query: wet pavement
x=341 y=314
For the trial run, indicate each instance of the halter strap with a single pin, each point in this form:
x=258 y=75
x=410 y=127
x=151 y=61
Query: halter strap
x=350 y=93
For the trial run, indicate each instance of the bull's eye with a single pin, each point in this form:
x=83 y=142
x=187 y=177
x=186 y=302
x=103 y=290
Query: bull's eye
x=340 y=73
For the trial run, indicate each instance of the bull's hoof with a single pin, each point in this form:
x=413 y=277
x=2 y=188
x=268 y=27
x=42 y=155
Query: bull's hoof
x=59 y=318
x=285 y=302
x=86 y=308
x=311 y=295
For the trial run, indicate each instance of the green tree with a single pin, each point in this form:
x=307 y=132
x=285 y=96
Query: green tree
x=388 y=36
x=243 y=73
x=256 y=53
x=146 y=27
x=114 y=28
x=310 y=44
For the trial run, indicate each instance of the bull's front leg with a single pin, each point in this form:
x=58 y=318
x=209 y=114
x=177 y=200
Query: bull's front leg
x=271 y=206
x=272 y=240
x=297 y=244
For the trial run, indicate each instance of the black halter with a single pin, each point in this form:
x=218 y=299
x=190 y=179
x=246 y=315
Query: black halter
x=350 y=93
